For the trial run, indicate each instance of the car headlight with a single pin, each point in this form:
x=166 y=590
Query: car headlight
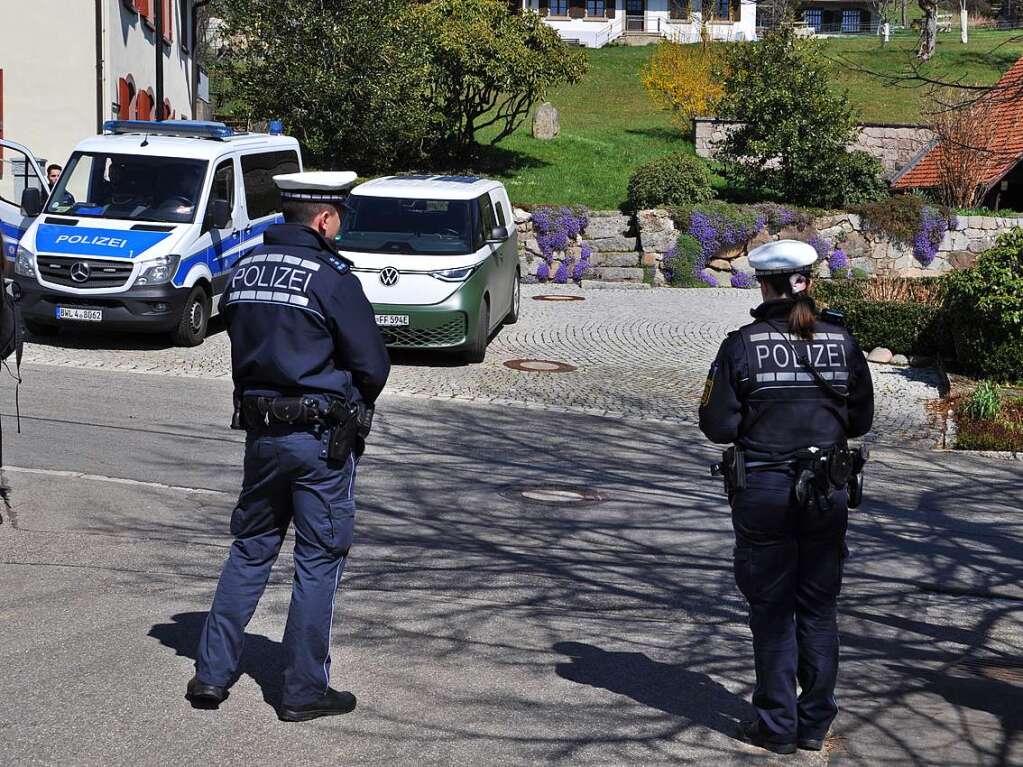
x=454 y=275
x=157 y=271
x=24 y=263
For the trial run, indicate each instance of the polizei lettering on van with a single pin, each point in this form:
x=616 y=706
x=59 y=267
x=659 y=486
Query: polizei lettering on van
x=84 y=239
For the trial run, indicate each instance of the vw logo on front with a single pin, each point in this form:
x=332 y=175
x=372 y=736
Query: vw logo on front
x=80 y=271
x=389 y=276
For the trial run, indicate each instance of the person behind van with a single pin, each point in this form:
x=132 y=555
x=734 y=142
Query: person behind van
x=308 y=363
x=53 y=172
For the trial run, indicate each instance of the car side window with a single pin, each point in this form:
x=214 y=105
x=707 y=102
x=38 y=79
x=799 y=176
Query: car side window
x=487 y=220
x=262 y=197
x=221 y=189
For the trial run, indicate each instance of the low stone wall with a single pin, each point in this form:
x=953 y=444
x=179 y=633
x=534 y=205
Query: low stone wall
x=629 y=249
x=893 y=145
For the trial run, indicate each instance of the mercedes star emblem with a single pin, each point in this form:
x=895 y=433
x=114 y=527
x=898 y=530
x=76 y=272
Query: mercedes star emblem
x=80 y=271
x=389 y=276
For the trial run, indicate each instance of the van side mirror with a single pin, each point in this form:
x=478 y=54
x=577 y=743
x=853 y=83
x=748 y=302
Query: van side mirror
x=32 y=202
x=499 y=234
x=220 y=214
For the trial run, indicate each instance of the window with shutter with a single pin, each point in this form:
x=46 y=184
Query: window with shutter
x=167 y=10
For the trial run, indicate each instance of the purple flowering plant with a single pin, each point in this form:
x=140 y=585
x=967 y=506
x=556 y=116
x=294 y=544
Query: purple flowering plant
x=933 y=225
x=556 y=229
x=838 y=264
x=743 y=280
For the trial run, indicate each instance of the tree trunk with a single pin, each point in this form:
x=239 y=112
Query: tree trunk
x=929 y=32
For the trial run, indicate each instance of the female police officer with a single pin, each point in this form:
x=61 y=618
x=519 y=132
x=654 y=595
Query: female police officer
x=789 y=389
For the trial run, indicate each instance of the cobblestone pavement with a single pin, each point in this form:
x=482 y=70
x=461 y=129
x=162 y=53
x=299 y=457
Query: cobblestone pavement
x=637 y=353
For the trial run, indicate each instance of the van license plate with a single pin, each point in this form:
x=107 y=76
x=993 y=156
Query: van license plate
x=392 y=320
x=83 y=315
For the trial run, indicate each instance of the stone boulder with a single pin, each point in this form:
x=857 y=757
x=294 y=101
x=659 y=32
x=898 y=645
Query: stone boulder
x=546 y=122
x=880 y=355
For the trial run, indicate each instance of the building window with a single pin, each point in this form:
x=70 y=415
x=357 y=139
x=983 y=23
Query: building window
x=812 y=18
x=559 y=7
x=678 y=9
x=596 y=8
x=186 y=25
x=851 y=20
x=167 y=14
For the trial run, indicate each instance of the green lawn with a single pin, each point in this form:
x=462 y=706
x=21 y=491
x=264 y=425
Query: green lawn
x=609 y=125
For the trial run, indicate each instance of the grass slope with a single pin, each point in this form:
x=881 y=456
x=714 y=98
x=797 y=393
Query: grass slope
x=609 y=125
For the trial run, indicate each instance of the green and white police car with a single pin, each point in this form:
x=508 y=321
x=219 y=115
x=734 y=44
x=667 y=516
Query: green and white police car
x=437 y=257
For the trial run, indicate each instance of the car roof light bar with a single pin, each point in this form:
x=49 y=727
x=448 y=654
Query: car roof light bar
x=183 y=128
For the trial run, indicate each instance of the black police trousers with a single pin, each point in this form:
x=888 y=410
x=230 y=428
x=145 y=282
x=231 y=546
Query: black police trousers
x=788 y=565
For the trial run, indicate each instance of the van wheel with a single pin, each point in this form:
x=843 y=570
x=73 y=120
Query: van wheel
x=40 y=330
x=477 y=352
x=513 y=314
x=195 y=317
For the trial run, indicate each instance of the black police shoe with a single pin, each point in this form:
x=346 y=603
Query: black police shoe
x=810 y=744
x=331 y=703
x=749 y=732
x=202 y=695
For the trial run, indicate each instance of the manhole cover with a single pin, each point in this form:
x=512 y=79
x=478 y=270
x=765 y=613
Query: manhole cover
x=554 y=495
x=558 y=297
x=540 y=366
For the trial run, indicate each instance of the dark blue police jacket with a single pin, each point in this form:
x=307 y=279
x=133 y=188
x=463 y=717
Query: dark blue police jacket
x=760 y=396
x=299 y=322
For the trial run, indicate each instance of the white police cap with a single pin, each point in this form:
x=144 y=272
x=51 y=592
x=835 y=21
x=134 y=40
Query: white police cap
x=316 y=186
x=783 y=257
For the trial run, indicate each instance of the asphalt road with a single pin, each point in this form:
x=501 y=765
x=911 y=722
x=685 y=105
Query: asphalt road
x=478 y=627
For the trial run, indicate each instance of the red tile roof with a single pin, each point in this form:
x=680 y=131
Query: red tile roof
x=1005 y=105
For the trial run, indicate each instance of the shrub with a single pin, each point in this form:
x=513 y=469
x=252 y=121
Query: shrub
x=678 y=179
x=680 y=263
x=910 y=220
x=903 y=327
x=791 y=144
x=687 y=79
x=984 y=403
x=859 y=179
x=985 y=309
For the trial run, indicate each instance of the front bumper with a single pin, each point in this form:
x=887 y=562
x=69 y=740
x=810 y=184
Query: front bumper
x=156 y=309
x=451 y=324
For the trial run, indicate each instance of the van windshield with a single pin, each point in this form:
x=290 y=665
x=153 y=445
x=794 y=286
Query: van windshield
x=414 y=227
x=131 y=187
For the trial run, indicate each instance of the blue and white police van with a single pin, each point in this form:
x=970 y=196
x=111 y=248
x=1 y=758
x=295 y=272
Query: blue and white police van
x=142 y=229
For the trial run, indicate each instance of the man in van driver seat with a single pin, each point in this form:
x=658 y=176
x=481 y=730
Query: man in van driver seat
x=308 y=363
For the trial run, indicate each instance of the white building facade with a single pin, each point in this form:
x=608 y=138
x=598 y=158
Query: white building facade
x=596 y=23
x=66 y=66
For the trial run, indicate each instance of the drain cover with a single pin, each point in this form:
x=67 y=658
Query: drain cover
x=557 y=297
x=554 y=495
x=540 y=366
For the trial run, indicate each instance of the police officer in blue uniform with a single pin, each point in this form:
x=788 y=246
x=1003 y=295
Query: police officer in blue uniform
x=789 y=390
x=308 y=363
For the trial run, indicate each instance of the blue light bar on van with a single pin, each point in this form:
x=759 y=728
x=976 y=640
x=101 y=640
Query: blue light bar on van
x=185 y=128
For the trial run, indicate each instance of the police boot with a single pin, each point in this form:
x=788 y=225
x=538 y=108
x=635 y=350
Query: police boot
x=749 y=732
x=202 y=695
x=331 y=703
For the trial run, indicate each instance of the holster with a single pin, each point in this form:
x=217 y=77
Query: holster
x=344 y=434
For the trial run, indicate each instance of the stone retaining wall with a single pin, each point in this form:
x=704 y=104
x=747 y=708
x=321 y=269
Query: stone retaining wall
x=893 y=145
x=630 y=248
